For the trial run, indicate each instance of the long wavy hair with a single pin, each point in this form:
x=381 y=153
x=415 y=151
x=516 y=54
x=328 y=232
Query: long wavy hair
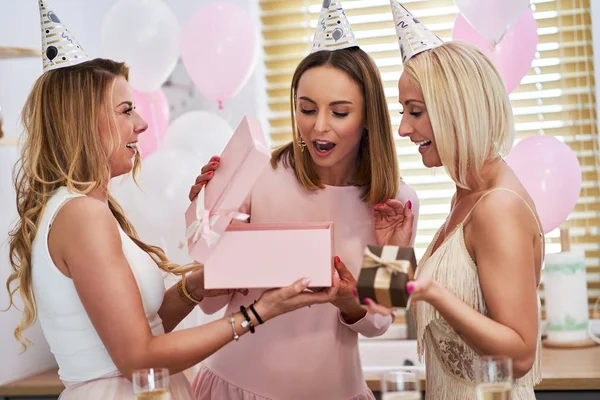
x=378 y=172
x=62 y=147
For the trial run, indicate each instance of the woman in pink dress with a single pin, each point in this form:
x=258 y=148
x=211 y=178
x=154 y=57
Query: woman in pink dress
x=78 y=264
x=341 y=166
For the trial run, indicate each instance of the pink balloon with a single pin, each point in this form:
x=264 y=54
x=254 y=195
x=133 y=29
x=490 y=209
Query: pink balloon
x=513 y=54
x=550 y=172
x=154 y=109
x=219 y=48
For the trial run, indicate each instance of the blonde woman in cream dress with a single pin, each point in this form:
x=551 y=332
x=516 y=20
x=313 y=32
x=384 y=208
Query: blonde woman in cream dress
x=476 y=288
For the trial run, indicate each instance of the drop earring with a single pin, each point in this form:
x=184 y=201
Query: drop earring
x=302 y=144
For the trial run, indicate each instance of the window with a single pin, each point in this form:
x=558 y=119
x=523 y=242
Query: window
x=555 y=98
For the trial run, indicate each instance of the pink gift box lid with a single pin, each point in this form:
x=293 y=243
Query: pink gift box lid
x=241 y=164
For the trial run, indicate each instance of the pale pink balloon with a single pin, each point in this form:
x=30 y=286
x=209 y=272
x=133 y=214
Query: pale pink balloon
x=492 y=18
x=154 y=109
x=550 y=172
x=219 y=49
x=513 y=54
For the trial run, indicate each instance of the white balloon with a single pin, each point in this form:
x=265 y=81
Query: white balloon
x=492 y=18
x=136 y=205
x=157 y=207
x=200 y=132
x=167 y=176
x=156 y=222
x=146 y=35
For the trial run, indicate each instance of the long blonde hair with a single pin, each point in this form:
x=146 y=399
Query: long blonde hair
x=62 y=147
x=468 y=106
x=378 y=173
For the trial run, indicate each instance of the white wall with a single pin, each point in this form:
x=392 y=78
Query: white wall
x=20 y=27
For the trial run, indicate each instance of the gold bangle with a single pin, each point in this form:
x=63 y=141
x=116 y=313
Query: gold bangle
x=183 y=293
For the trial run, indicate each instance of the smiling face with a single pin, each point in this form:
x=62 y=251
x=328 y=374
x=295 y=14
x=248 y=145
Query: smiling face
x=415 y=123
x=330 y=117
x=119 y=134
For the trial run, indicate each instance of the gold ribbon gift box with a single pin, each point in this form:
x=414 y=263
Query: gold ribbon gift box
x=385 y=272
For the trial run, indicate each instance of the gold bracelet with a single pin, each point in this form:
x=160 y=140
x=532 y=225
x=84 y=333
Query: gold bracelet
x=183 y=293
x=236 y=337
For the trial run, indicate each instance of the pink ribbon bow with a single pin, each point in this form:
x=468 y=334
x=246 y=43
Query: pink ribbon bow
x=202 y=227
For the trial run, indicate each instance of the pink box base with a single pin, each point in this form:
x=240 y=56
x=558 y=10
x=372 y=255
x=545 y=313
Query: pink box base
x=271 y=255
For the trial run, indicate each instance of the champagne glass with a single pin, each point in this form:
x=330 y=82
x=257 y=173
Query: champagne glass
x=400 y=385
x=493 y=377
x=151 y=384
x=1 y=132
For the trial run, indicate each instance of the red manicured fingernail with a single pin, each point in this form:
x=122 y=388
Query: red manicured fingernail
x=215 y=158
x=410 y=287
x=409 y=205
x=210 y=173
x=337 y=260
x=367 y=301
x=214 y=164
x=354 y=292
x=379 y=205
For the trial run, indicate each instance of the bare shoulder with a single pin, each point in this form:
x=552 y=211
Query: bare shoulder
x=80 y=222
x=83 y=230
x=503 y=210
x=81 y=211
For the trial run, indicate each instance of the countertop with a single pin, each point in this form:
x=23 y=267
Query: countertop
x=562 y=369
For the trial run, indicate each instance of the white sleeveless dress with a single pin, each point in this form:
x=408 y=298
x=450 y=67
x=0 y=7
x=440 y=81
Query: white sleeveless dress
x=85 y=366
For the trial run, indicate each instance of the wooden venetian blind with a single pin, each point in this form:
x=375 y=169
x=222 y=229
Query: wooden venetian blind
x=555 y=98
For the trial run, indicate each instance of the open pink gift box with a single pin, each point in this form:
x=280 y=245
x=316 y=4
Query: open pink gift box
x=271 y=255
x=252 y=255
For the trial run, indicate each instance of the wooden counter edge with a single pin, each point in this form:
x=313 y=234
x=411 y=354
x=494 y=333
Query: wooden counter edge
x=558 y=384
x=48 y=384
x=43 y=384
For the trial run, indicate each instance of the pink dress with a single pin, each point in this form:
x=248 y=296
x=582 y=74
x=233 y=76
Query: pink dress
x=309 y=353
x=116 y=386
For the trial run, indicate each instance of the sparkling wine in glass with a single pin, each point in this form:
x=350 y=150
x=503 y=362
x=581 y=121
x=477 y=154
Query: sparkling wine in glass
x=400 y=385
x=493 y=376
x=151 y=384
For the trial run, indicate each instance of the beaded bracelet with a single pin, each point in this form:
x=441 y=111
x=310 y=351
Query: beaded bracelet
x=248 y=321
x=258 y=318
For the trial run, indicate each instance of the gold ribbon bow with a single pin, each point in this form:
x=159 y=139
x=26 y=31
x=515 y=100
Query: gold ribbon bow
x=387 y=260
x=387 y=265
